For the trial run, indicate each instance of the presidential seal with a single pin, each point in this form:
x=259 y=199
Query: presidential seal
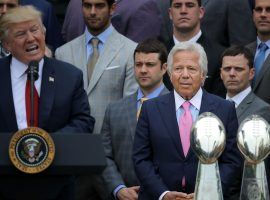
x=31 y=150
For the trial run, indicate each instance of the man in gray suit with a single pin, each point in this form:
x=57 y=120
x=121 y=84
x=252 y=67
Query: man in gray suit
x=120 y=119
x=112 y=76
x=261 y=18
x=107 y=67
x=237 y=72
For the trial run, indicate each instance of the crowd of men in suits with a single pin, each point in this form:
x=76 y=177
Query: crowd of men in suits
x=112 y=77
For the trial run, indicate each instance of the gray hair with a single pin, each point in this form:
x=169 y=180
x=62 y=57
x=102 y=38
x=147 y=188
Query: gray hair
x=192 y=47
x=18 y=15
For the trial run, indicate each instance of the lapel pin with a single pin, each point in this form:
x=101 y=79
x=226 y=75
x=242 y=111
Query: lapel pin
x=51 y=79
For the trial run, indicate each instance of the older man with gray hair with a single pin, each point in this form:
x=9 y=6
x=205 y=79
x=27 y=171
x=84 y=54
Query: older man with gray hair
x=164 y=163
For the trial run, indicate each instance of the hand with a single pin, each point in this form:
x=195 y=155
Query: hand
x=176 y=196
x=189 y=196
x=130 y=193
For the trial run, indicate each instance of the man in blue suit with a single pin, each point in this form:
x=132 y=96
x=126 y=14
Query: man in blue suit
x=165 y=170
x=63 y=104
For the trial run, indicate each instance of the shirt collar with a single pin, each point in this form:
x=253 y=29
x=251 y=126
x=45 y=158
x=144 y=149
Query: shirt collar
x=102 y=36
x=193 y=39
x=151 y=95
x=237 y=99
x=18 y=68
x=259 y=42
x=195 y=100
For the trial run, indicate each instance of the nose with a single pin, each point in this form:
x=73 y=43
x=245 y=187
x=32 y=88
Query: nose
x=4 y=9
x=29 y=36
x=143 y=68
x=183 y=9
x=185 y=73
x=93 y=10
x=232 y=72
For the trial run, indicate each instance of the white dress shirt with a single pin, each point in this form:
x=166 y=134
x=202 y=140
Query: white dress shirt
x=237 y=99
x=18 y=83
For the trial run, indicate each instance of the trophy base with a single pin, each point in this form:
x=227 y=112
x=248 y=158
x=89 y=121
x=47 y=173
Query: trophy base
x=208 y=184
x=254 y=182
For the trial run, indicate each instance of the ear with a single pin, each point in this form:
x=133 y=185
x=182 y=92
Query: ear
x=202 y=11
x=251 y=74
x=6 y=45
x=164 y=68
x=170 y=13
x=112 y=9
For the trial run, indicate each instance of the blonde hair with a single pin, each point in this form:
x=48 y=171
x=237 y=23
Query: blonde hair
x=18 y=15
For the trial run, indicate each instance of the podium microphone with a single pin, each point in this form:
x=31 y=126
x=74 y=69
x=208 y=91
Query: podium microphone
x=32 y=76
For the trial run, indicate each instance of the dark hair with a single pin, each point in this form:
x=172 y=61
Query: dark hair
x=239 y=50
x=199 y=2
x=110 y=2
x=152 y=46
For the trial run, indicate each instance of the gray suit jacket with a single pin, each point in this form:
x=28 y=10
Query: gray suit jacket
x=253 y=105
x=117 y=134
x=228 y=22
x=261 y=86
x=113 y=75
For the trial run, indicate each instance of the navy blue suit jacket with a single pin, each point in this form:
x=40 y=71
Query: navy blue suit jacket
x=63 y=107
x=157 y=152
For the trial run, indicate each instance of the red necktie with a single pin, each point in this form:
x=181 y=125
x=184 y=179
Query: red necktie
x=28 y=104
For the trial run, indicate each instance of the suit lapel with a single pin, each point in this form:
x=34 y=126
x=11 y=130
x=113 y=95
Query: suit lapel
x=6 y=99
x=167 y=111
x=207 y=104
x=131 y=106
x=80 y=58
x=47 y=92
x=111 y=48
x=264 y=69
x=240 y=110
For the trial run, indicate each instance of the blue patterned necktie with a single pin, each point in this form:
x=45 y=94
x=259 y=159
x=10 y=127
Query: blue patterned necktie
x=259 y=60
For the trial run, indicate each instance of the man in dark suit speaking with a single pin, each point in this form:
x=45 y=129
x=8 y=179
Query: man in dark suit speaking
x=62 y=106
x=164 y=163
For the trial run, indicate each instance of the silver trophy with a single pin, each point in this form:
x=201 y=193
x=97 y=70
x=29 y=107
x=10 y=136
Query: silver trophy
x=254 y=143
x=208 y=142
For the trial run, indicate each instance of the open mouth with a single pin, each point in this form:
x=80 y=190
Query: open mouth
x=32 y=48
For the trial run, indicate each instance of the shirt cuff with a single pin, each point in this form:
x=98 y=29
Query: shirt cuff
x=162 y=195
x=119 y=187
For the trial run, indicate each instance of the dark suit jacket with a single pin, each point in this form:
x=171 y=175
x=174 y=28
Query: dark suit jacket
x=261 y=86
x=157 y=154
x=228 y=22
x=213 y=82
x=53 y=29
x=63 y=107
x=117 y=135
x=137 y=20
